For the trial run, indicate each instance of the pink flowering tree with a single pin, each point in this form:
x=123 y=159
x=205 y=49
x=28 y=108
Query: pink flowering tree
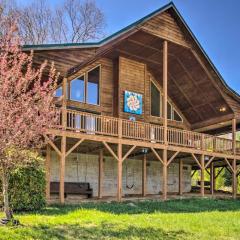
x=26 y=106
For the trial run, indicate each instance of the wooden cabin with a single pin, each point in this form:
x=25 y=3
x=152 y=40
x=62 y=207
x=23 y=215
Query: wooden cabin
x=140 y=111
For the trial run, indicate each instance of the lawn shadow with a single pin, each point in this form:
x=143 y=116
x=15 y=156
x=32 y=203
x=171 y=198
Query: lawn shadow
x=171 y=206
x=103 y=231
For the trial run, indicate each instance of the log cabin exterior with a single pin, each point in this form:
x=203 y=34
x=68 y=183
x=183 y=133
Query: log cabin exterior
x=140 y=110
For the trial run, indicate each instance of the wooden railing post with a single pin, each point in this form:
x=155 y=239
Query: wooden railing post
x=120 y=128
x=202 y=142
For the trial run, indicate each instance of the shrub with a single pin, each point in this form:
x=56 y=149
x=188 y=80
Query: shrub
x=27 y=188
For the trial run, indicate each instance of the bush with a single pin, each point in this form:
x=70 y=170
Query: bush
x=27 y=188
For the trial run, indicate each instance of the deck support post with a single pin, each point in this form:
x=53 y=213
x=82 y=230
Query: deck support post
x=47 y=165
x=202 y=175
x=234 y=165
x=144 y=174
x=164 y=177
x=234 y=179
x=180 y=188
x=165 y=93
x=119 y=179
x=63 y=141
x=100 y=174
x=212 y=178
x=62 y=168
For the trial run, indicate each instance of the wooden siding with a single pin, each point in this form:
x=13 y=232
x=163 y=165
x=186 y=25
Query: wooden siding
x=131 y=78
x=63 y=59
x=165 y=26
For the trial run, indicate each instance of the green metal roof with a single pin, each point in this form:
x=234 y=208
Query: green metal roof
x=103 y=41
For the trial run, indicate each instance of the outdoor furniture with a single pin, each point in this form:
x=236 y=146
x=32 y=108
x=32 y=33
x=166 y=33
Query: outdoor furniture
x=81 y=188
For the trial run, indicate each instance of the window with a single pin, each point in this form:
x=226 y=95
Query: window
x=93 y=86
x=86 y=88
x=157 y=108
x=58 y=92
x=169 y=111
x=176 y=116
x=77 y=92
x=155 y=101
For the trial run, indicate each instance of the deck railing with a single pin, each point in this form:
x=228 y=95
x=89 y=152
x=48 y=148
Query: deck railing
x=109 y=126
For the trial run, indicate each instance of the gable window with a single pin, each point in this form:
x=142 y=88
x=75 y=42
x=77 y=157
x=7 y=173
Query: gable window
x=157 y=106
x=77 y=89
x=85 y=88
x=155 y=101
x=169 y=111
x=176 y=116
x=93 y=86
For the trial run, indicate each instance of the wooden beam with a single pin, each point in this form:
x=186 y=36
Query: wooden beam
x=165 y=89
x=193 y=173
x=74 y=147
x=196 y=160
x=202 y=175
x=157 y=155
x=172 y=158
x=144 y=174
x=47 y=165
x=208 y=171
x=209 y=162
x=129 y=152
x=110 y=150
x=119 y=179
x=180 y=184
x=164 y=175
x=219 y=172
x=230 y=166
x=49 y=141
x=100 y=173
x=62 y=168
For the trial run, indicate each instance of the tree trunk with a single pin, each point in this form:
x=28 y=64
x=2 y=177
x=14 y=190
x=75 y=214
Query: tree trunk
x=7 y=210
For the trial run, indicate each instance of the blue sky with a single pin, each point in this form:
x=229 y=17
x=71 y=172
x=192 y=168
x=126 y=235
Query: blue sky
x=215 y=23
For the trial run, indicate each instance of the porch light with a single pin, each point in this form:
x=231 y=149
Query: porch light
x=222 y=109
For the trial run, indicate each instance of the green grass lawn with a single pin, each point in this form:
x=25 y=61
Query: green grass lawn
x=176 y=219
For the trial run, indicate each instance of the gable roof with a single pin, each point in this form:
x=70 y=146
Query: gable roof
x=42 y=47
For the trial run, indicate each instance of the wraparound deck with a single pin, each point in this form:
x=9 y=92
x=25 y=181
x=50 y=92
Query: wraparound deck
x=94 y=127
